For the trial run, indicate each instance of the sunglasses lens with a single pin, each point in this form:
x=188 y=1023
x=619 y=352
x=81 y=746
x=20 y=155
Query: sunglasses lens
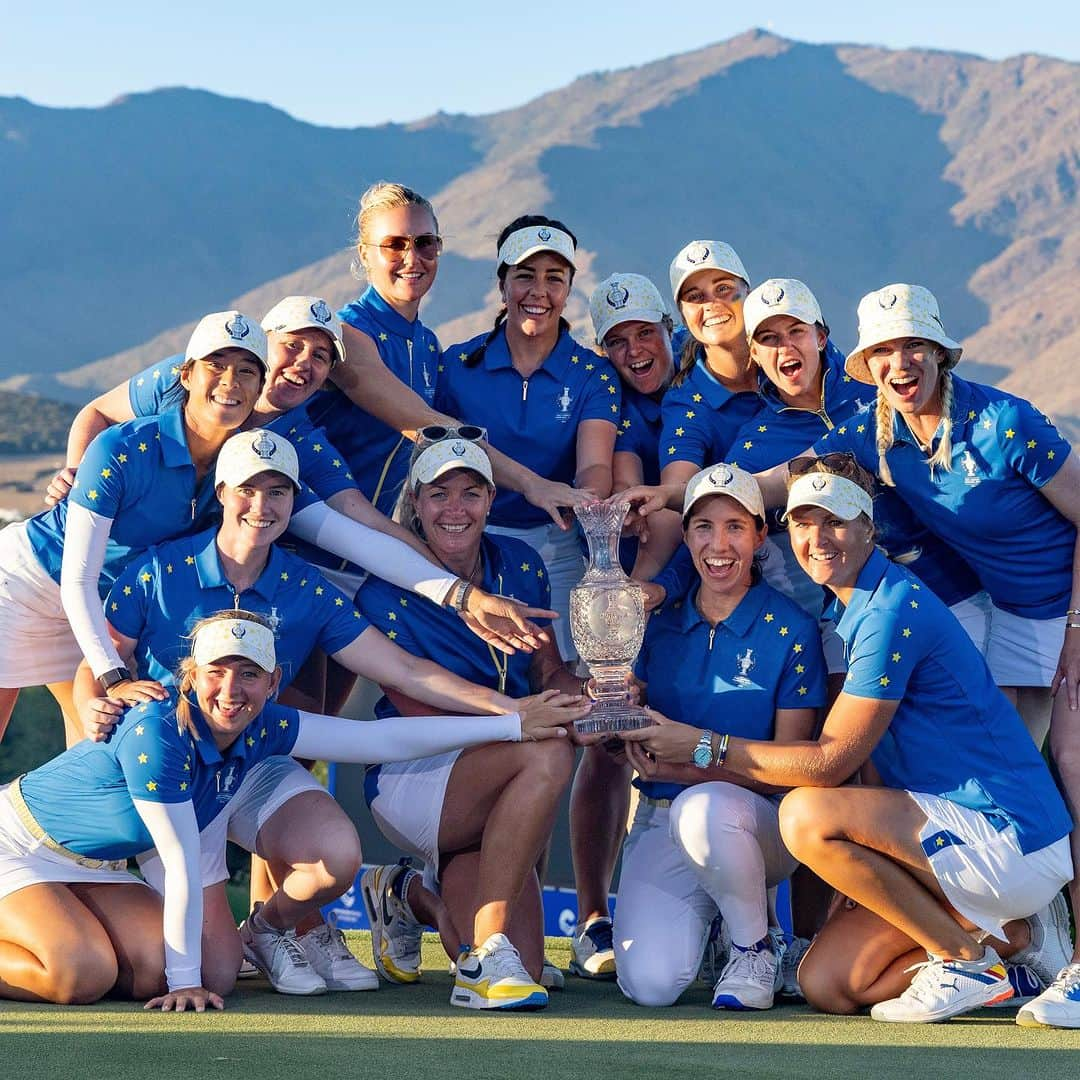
x=798 y=466
x=434 y=432
x=397 y=244
x=428 y=245
x=471 y=432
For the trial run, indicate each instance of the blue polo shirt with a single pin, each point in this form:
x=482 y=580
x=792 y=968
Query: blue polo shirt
x=954 y=734
x=700 y=418
x=534 y=420
x=766 y=655
x=158 y=600
x=323 y=469
x=140 y=475
x=83 y=798
x=640 y=425
x=988 y=506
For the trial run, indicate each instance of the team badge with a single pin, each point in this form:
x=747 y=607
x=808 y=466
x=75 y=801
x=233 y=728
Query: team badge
x=886 y=299
x=263 y=446
x=617 y=296
x=744 y=663
x=721 y=476
x=320 y=312
x=772 y=295
x=238 y=630
x=697 y=253
x=458 y=449
x=564 y=400
x=543 y=235
x=237 y=328
x=819 y=483
x=971 y=469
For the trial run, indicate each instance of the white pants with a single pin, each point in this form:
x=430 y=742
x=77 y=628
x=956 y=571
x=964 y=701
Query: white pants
x=717 y=848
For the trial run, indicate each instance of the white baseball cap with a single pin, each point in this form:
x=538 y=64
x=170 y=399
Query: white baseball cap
x=302 y=313
x=531 y=240
x=226 y=330
x=624 y=298
x=780 y=296
x=704 y=255
x=252 y=452
x=446 y=455
x=837 y=494
x=234 y=637
x=724 y=479
x=898 y=311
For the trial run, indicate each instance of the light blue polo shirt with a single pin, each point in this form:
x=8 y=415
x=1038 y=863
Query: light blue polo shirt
x=140 y=475
x=766 y=655
x=954 y=734
x=534 y=420
x=159 y=598
x=988 y=506
x=83 y=798
x=323 y=469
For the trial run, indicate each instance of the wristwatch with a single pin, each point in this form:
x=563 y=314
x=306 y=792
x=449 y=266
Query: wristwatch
x=702 y=756
x=114 y=677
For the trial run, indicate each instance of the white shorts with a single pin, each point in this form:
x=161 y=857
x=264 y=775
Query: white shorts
x=983 y=872
x=25 y=860
x=973 y=614
x=1023 y=652
x=562 y=555
x=409 y=803
x=38 y=645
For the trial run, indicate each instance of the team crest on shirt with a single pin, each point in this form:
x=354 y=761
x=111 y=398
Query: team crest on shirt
x=744 y=664
x=226 y=781
x=697 y=253
x=274 y=619
x=320 y=312
x=617 y=296
x=264 y=447
x=237 y=328
x=772 y=295
x=971 y=469
x=564 y=401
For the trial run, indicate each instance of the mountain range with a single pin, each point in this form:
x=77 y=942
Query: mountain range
x=847 y=166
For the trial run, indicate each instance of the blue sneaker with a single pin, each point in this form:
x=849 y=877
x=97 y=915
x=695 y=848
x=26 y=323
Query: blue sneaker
x=1058 y=1005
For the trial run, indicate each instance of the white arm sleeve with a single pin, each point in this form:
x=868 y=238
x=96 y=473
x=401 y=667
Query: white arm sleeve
x=85 y=538
x=175 y=833
x=398 y=738
x=383 y=555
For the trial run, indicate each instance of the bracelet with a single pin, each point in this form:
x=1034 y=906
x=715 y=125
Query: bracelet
x=720 y=754
x=459 y=594
x=1072 y=611
x=1072 y=626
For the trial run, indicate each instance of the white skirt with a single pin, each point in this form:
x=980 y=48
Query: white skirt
x=1023 y=652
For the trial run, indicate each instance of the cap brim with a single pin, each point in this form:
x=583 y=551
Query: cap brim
x=649 y=315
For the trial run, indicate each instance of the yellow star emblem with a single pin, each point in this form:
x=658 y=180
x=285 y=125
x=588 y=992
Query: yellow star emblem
x=319 y=590
x=884 y=680
x=748 y=445
x=317 y=447
x=404 y=601
x=762 y=428
x=796 y=648
x=914 y=603
x=1009 y=433
x=463 y=356
x=841 y=430
x=284 y=575
x=303 y=582
x=339 y=602
x=971 y=414
x=250 y=740
x=382 y=337
x=262 y=734
x=92 y=495
x=114 y=606
x=139 y=729
x=143 y=759
x=906 y=631
x=690 y=414
x=696 y=398
x=589 y=367
x=680 y=431
x=143 y=448
x=121 y=458
x=151 y=785
x=800 y=668
x=336 y=463
x=392 y=616
x=670 y=450
x=1050 y=455
x=940 y=841
x=283 y=723
x=183 y=785
x=106 y=473
x=525 y=567
x=127 y=590
x=144 y=577
x=189 y=560
x=615 y=409
x=603 y=378
x=860 y=429
x=784 y=631
x=802 y=690
x=1031 y=444
x=392 y=634
x=573 y=359
x=769 y=616
x=896 y=658
x=168 y=568
x=431 y=348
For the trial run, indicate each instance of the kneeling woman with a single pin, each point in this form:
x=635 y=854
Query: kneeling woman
x=704 y=840
x=479 y=818
x=75 y=924
x=967 y=837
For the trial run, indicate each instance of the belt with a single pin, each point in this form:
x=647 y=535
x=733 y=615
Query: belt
x=22 y=812
x=648 y=800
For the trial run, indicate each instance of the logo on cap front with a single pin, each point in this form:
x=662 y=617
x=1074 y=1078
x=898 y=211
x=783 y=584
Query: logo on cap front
x=697 y=253
x=772 y=295
x=618 y=295
x=819 y=483
x=544 y=235
x=721 y=477
x=887 y=298
x=320 y=312
x=264 y=446
x=458 y=448
x=238 y=630
x=237 y=328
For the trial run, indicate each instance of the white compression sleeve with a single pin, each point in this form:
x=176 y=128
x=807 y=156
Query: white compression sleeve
x=383 y=555
x=398 y=738
x=85 y=538
x=175 y=833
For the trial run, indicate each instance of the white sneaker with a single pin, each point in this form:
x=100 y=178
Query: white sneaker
x=592 y=950
x=789 y=969
x=280 y=957
x=396 y=933
x=1058 y=1005
x=1051 y=947
x=945 y=988
x=325 y=948
x=749 y=981
x=247 y=969
x=552 y=978
x=492 y=977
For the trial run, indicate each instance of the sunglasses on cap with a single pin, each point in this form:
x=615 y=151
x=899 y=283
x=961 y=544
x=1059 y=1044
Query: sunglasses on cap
x=427 y=245
x=434 y=433
x=839 y=464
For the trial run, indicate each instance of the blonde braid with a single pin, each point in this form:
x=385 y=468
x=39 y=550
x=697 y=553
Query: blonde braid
x=184 y=719
x=943 y=454
x=883 y=418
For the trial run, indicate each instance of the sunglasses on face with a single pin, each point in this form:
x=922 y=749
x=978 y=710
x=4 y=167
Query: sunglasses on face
x=434 y=433
x=426 y=245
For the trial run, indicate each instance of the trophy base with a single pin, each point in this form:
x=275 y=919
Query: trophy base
x=614 y=718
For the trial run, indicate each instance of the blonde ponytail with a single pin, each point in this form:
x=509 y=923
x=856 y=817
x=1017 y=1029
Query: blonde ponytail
x=883 y=418
x=943 y=454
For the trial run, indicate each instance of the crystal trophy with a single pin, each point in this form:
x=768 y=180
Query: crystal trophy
x=607 y=622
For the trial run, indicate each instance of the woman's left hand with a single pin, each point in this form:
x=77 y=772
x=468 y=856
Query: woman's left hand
x=178 y=1000
x=1068 y=669
x=552 y=497
x=668 y=741
x=504 y=623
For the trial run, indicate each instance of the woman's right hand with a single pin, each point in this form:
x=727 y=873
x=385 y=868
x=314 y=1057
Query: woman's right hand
x=178 y=1000
x=59 y=486
x=552 y=496
x=547 y=715
x=100 y=715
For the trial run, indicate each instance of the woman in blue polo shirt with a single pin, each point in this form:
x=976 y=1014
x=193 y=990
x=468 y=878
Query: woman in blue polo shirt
x=140 y=483
x=963 y=832
x=734 y=652
x=77 y=926
x=542 y=397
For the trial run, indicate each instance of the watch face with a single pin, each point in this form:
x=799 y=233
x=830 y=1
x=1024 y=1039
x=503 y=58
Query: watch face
x=702 y=756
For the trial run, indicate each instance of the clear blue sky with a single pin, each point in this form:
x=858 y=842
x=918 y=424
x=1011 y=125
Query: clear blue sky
x=358 y=62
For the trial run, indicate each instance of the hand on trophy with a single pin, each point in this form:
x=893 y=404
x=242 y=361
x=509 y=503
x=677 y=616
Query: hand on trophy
x=550 y=714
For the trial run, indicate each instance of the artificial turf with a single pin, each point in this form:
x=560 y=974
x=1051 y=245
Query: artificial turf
x=589 y=1030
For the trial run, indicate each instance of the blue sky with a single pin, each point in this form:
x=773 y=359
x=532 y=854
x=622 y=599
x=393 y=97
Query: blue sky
x=363 y=63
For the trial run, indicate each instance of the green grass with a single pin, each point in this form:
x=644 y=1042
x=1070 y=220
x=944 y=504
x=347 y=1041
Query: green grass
x=588 y=1031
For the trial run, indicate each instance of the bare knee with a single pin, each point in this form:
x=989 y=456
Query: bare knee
x=824 y=987
x=801 y=821
x=549 y=763
x=141 y=970
x=82 y=977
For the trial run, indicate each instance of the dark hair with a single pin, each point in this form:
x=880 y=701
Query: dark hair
x=524 y=222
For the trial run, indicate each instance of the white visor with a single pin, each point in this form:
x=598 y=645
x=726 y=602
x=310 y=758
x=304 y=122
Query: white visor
x=837 y=494
x=235 y=637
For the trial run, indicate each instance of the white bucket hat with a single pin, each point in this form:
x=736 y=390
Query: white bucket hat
x=780 y=296
x=235 y=637
x=898 y=311
x=446 y=455
x=624 y=298
x=532 y=239
x=252 y=452
x=303 y=313
x=837 y=494
x=728 y=480
x=704 y=255
x=226 y=330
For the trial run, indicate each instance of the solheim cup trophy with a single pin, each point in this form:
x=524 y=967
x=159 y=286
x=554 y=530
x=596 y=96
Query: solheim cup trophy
x=607 y=621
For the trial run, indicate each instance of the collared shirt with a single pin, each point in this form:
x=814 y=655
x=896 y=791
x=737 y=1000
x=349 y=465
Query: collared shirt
x=83 y=798
x=158 y=600
x=510 y=568
x=640 y=425
x=534 y=420
x=988 y=506
x=323 y=469
x=766 y=655
x=954 y=734
x=140 y=475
